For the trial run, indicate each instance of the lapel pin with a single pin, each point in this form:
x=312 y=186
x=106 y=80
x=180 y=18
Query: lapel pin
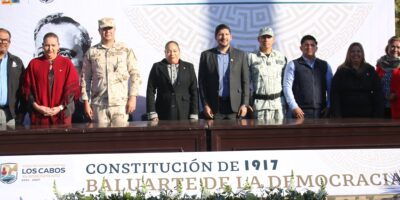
x=14 y=64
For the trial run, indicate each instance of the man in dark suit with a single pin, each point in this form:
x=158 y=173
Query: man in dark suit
x=174 y=81
x=224 y=78
x=11 y=68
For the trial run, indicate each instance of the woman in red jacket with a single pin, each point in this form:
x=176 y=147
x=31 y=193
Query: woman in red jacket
x=389 y=72
x=51 y=84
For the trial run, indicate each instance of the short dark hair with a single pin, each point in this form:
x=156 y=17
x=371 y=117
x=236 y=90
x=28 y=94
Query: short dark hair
x=308 y=37
x=7 y=31
x=59 y=18
x=220 y=27
x=49 y=35
x=171 y=42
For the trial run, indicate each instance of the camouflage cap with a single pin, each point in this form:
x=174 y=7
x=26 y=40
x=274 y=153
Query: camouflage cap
x=106 y=22
x=266 y=31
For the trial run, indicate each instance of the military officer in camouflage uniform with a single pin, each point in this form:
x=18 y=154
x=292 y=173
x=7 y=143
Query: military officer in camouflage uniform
x=266 y=72
x=110 y=78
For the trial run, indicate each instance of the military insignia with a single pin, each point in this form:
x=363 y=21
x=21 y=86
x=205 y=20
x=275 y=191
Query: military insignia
x=9 y=172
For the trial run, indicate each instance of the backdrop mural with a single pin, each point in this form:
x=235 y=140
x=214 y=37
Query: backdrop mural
x=146 y=25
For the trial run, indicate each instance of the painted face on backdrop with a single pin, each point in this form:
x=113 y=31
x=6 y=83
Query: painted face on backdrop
x=172 y=53
x=70 y=42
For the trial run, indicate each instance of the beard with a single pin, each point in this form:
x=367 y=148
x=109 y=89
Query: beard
x=3 y=51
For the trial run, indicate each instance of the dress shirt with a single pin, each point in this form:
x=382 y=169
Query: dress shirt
x=223 y=71
x=3 y=80
x=173 y=70
x=289 y=78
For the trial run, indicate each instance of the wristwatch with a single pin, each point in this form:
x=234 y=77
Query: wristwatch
x=61 y=107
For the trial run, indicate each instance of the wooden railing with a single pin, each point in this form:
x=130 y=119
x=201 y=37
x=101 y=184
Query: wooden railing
x=189 y=136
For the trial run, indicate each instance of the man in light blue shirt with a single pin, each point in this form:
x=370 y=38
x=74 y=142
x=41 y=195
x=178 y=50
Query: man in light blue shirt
x=224 y=78
x=307 y=83
x=11 y=68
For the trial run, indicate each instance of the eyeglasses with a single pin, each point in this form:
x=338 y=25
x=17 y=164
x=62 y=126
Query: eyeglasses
x=4 y=41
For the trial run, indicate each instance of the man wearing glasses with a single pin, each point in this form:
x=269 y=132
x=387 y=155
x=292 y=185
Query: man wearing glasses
x=11 y=68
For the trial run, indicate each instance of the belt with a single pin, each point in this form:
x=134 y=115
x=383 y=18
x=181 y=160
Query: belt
x=4 y=107
x=267 y=96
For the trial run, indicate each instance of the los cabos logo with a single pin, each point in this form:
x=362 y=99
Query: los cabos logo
x=9 y=172
x=9 y=1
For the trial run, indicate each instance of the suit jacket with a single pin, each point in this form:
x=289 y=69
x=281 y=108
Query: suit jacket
x=182 y=94
x=15 y=69
x=238 y=78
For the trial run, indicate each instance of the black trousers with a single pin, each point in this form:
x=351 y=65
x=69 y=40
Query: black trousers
x=225 y=109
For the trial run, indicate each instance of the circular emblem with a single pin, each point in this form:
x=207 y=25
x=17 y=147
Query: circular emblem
x=46 y=1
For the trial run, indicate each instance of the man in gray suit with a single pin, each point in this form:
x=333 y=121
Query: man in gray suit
x=224 y=79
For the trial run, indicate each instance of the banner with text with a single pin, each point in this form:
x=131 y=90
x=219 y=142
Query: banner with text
x=345 y=172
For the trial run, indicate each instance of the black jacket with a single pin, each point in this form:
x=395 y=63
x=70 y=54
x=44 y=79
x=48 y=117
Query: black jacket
x=356 y=94
x=180 y=97
x=238 y=79
x=15 y=69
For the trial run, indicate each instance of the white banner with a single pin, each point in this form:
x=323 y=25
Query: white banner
x=345 y=172
x=146 y=25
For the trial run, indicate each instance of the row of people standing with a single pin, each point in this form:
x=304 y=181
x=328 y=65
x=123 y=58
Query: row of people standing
x=232 y=84
x=50 y=84
x=49 y=87
x=360 y=90
x=223 y=83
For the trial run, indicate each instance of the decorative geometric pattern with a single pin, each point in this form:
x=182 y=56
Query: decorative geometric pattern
x=192 y=25
x=341 y=161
